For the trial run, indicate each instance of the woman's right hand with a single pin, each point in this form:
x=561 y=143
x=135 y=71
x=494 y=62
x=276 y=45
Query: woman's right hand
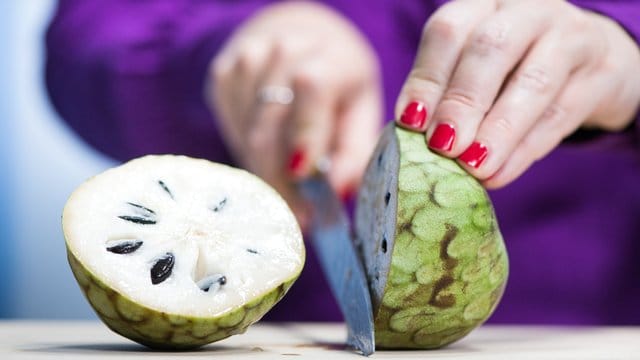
x=324 y=77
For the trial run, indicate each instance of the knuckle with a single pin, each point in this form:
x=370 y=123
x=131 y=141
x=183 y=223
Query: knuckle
x=575 y=16
x=307 y=79
x=463 y=97
x=582 y=23
x=554 y=114
x=250 y=55
x=423 y=82
x=247 y=61
x=502 y=126
x=281 y=50
x=536 y=78
x=556 y=123
x=490 y=37
x=443 y=24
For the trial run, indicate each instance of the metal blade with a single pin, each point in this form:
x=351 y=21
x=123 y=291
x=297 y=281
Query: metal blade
x=341 y=265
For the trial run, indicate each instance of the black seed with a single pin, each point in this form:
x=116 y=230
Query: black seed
x=252 y=251
x=383 y=246
x=138 y=219
x=220 y=205
x=143 y=215
x=125 y=247
x=165 y=188
x=387 y=197
x=206 y=283
x=161 y=270
x=144 y=209
x=380 y=159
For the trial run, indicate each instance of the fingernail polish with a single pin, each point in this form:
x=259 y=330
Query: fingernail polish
x=475 y=155
x=414 y=115
x=443 y=137
x=347 y=193
x=296 y=161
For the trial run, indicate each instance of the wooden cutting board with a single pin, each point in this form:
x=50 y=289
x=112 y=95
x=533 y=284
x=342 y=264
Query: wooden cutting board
x=92 y=340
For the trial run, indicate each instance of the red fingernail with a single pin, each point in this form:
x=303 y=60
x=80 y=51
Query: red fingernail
x=475 y=155
x=442 y=138
x=414 y=115
x=346 y=193
x=296 y=161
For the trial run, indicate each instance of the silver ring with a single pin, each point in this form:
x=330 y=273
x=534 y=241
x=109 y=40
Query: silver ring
x=275 y=94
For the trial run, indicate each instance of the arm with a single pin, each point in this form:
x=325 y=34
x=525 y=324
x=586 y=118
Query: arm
x=627 y=14
x=128 y=76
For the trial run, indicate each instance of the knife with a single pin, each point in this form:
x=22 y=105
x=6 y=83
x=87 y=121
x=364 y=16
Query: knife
x=331 y=238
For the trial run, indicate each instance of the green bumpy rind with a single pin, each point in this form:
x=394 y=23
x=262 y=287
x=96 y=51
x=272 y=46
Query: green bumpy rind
x=160 y=330
x=449 y=265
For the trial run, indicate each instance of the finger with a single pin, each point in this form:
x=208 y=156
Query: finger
x=494 y=48
x=234 y=76
x=567 y=113
x=529 y=92
x=443 y=38
x=323 y=93
x=266 y=136
x=313 y=117
x=355 y=138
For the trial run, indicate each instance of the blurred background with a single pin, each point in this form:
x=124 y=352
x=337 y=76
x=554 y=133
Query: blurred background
x=41 y=162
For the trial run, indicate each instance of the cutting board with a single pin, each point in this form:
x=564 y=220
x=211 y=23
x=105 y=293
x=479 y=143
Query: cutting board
x=92 y=340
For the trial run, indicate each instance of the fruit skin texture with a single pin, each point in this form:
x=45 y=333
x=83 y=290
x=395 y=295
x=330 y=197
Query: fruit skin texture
x=448 y=266
x=160 y=330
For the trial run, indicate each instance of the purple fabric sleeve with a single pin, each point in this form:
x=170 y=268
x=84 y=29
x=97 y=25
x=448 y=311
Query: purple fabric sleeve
x=120 y=72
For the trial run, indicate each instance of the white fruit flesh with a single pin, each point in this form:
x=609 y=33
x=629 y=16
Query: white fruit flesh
x=253 y=239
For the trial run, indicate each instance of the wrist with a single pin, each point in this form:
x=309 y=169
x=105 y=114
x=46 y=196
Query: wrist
x=621 y=65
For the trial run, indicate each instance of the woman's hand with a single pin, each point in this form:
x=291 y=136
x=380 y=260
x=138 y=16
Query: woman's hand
x=503 y=82
x=295 y=84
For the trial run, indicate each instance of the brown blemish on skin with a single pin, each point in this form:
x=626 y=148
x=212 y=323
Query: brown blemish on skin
x=406 y=226
x=442 y=301
x=432 y=195
x=450 y=234
x=449 y=263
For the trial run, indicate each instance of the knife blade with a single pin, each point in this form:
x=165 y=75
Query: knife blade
x=331 y=238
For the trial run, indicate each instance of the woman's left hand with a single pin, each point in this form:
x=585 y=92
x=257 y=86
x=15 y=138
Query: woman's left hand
x=503 y=82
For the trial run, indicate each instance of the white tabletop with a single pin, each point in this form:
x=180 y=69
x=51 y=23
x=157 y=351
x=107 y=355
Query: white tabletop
x=92 y=340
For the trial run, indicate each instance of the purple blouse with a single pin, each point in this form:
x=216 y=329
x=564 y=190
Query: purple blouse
x=128 y=77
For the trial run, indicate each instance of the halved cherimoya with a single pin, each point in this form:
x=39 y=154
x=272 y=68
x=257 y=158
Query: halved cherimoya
x=175 y=252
